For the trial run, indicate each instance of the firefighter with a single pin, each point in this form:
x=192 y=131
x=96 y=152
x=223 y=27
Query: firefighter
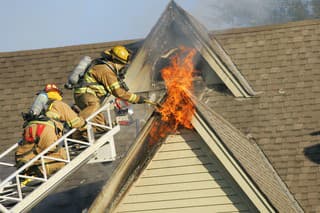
x=60 y=112
x=105 y=78
x=39 y=133
x=44 y=125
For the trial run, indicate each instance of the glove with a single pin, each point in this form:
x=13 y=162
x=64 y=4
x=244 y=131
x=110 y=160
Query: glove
x=141 y=100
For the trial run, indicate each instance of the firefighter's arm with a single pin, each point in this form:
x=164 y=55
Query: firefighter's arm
x=109 y=80
x=59 y=110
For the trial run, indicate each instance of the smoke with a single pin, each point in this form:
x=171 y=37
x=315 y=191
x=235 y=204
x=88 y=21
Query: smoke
x=217 y=14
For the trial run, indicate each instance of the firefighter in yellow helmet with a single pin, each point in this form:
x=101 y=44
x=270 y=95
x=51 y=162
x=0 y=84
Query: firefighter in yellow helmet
x=105 y=78
x=43 y=126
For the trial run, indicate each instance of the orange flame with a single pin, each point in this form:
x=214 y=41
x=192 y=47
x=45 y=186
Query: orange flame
x=177 y=110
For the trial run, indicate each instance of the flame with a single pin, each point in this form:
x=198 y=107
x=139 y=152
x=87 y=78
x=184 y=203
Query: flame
x=177 y=110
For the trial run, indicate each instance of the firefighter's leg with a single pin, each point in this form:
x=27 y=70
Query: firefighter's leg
x=88 y=104
x=25 y=152
x=23 y=155
x=47 y=138
x=53 y=167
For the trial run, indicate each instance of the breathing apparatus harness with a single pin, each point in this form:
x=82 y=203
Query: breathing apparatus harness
x=119 y=73
x=40 y=121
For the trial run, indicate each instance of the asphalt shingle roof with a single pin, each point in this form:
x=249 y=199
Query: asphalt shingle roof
x=282 y=64
x=252 y=160
x=24 y=73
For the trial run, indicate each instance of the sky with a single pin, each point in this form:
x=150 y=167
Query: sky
x=37 y=24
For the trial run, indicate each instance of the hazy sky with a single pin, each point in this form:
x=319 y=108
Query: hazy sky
x=36 y=24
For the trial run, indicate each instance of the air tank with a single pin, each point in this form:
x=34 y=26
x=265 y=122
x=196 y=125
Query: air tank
x=78 y=72
x=39 y=103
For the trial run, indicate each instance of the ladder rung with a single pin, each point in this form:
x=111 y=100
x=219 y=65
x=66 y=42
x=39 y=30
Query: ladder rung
x=32 y=177
x=7 y=192
x=55 y=159
x=9 y=186
x=7 y=164
x=10 y=198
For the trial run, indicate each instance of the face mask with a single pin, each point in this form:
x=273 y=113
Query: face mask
x=123 y=71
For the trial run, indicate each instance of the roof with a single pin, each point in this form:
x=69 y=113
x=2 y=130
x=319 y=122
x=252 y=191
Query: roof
x=249 y=157
x=282 y=64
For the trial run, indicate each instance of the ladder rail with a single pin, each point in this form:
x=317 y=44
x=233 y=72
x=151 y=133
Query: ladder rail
x=39 y=193
x=41 y=157
x=36 y=158
x=5 y=153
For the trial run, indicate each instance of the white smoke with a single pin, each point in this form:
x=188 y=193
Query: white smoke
x=217 y=14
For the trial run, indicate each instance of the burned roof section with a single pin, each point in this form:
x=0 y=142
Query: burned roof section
x=177 y=28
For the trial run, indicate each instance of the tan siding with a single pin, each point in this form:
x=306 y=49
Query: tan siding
x=195 y=209
x=178 y=170
x=181 y=145
x=179 y=154
x=181 y=186
x=176 y=203
x=182 y=178
x=201 y=176
x=195 y=160
x=179 y=194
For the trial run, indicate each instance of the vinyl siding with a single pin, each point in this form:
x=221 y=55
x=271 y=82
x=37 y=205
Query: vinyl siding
x=182 y=178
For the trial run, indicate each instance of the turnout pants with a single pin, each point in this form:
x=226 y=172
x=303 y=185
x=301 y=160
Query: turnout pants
x=89 y=103
x=27 y=151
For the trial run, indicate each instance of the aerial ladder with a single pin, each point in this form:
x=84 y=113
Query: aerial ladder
x=13 y=197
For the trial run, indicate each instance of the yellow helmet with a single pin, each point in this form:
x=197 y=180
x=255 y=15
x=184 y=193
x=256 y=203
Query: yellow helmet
x=118 y=54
